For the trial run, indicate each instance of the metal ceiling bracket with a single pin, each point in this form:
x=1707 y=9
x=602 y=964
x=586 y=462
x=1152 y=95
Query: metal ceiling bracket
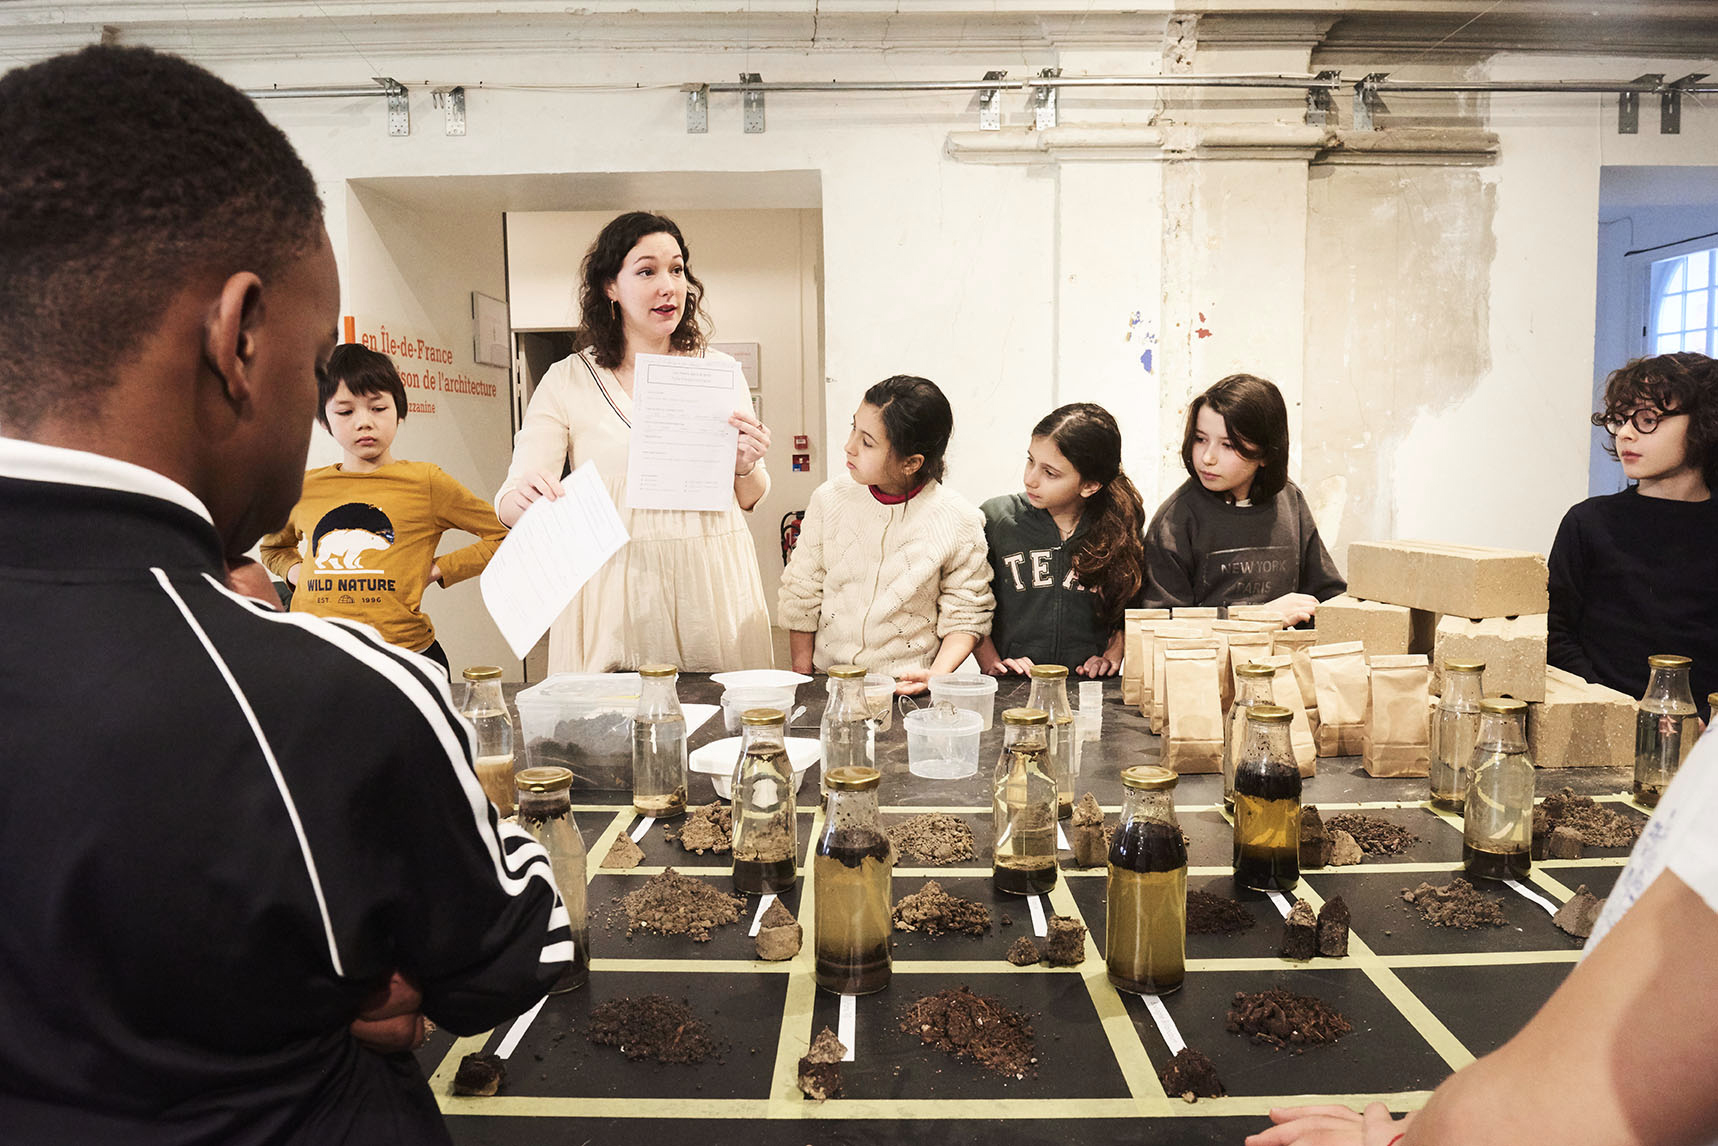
x=1321 y=102
x=453 y=101
x=1628 y=103
x=1044 y=100
x=399 y=110
x=990 y=104
x=752 y=104
x=697 y=109
x=1368 y=105
x=1670 y=103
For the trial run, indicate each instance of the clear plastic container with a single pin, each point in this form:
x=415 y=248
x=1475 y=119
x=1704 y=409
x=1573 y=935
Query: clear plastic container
x=969 y=690
x=739 y=698
x=582 y=722
x=942 y=742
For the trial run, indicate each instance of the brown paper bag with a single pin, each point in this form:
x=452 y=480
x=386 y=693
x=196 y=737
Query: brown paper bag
x=1199 y=616
x=1285 y=691
x=1243 y=648
x=1150 y=696
x=1295 y=642
x=1398 y=740
x=1134 y=659
x=1193 y=739
x=1339 y=675
x=1256 y=613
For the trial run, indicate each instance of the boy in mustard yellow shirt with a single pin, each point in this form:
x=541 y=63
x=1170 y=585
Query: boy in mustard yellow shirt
x=373 y=522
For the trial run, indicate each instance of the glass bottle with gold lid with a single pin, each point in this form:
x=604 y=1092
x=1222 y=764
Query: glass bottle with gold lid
x=659 y=778
x=765 y=831
x=1497 y=817
x=1145 y=921
x=483 y=705
x=1023 y=804
x=1267 y=803
x=1455 y=731
x=1666 y=726
x=847 y=734
x=545 y=810
x=1252 y=686
x=850 y=872
x=1049 y=694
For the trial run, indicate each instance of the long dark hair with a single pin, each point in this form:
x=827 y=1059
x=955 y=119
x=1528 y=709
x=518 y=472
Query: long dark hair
x=918 y=420
x=1257 y=421
x=1110 y=559
x=1685 y=382
x=602 y=327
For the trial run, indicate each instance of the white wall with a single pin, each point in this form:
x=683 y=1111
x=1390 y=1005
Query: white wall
x=760 y=270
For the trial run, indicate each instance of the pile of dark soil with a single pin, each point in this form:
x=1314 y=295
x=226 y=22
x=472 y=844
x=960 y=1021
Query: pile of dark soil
x=1457 y=904
x=1209 y=914
x=1023 y=952
x=1376 y=836
x=654 y=1027
x=933 y=838
x=820 y=1069
x=1600 y=827
x=1285 y=1019
x=1190 y=1075
x=675 y=904
x=706 y=828
x=974 y=1027
x=933 y=911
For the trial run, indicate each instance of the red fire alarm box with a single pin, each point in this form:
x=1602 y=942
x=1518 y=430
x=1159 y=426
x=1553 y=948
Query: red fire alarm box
x=801 y=442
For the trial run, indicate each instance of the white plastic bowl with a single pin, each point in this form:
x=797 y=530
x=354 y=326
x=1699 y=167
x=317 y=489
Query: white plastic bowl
x=717 y=759
x=760 y=678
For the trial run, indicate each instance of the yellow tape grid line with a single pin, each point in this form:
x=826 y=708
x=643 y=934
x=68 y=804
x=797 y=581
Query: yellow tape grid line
x=785 y=1099
x=912 y=1109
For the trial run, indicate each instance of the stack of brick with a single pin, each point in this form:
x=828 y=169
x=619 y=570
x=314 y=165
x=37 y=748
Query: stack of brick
x=1580 y=725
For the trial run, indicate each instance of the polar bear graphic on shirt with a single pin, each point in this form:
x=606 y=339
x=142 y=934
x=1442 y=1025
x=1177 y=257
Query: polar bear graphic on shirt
x=345 y=534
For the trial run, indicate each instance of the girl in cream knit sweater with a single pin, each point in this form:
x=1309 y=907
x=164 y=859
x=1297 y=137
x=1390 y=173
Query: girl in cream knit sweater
x=891 y=571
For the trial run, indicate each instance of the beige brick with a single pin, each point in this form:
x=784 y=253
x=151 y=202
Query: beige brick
x=1580 y=725
x=1383 y=629
x=1513 y=649
x=1462 y=580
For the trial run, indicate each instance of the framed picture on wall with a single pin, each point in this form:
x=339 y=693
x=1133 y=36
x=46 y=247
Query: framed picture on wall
x=746 y=354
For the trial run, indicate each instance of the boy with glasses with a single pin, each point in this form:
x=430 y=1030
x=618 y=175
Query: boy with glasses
x=1636 y=573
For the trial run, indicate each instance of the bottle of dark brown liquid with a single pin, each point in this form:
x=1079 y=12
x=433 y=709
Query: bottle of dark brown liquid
x=1023 y=804
x=1497 y=821
x=545 y=810
x=850 y=873
x=765 y=831
x=1145 y=922
x=1267 y=803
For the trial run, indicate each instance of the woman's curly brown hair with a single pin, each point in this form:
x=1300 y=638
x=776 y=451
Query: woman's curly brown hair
x=602 y=326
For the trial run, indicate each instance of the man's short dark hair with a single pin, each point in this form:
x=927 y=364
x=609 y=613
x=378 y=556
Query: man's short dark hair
x=365 y=372
x=124 y=171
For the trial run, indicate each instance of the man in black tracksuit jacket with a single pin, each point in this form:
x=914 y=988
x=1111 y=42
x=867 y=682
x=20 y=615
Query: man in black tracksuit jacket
x=226 y=833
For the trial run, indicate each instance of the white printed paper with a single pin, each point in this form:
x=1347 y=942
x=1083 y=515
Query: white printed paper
x=682 y=452
x=551 y=552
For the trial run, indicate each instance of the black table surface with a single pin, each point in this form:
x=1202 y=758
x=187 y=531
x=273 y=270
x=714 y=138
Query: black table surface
x=1422 y=1000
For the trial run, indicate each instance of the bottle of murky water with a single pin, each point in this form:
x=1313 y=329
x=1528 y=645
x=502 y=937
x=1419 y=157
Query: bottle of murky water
x=765 y=831
x=545 y=810
x=483 y=705
x=1024 y=806
x=1497 y=821
x=851 y=871
x=1145 y=923
x=848 y=735
x=1666 y=725
x=1049 y=695
x=659 y=778
x=1455 y=731
x=1267 y=803
x=1252 y=687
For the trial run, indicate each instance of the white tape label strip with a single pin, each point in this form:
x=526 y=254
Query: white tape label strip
x=1533 y=895
x=1165 y=1025
x=510 y=1043
x=758 y=919
x=1036 y=903
x=1283 y=905
x=1062 y=839
x=643 y=826
x=847 y=1025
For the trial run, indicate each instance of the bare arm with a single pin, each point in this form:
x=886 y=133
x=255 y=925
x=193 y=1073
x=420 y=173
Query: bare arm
x=954 y=648
x=800 y=647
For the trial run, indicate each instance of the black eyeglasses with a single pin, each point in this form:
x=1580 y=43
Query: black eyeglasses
x=1645 y=420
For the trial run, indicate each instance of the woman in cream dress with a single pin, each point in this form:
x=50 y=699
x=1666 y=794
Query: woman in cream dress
x=686 y=589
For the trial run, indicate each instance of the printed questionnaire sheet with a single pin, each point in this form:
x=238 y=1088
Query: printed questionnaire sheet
x=548 y=556
x=682 y=454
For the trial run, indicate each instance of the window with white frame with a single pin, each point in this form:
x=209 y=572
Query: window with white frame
x=1682 y=315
